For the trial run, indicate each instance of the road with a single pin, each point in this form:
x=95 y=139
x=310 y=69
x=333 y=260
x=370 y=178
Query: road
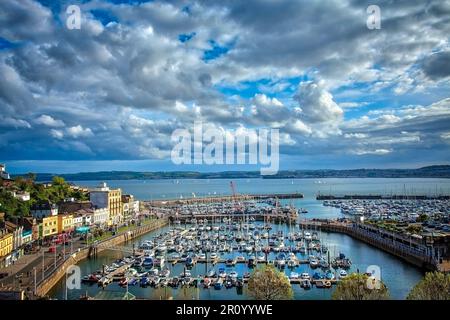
x=22 y=274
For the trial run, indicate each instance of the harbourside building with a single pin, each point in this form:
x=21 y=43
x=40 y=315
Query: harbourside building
x=65 y=223
x=84 y=213
x=31 y=225
x=27 y=237
x=130 y=207
x=48 y=227
x=104 y=197
x=16 y=231
x=3 y=173
x=100 y=216
x=6 y=247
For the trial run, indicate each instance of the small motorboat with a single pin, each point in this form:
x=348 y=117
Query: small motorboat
x=123 y=282
x=133 y=282
x=342 y=274
x=306 y=284
x=163 y=282
x=218 y=284
x=313 y=263
x=214 y=256
x=317 y=276
x=222 y=273
x=104 y=281
x=207 y=282
x=92 y=278
x=165 y=273
x=212 y=273
x=305 y=276
x=329 y=275
x=291 y=263
x=233 y=274
x=293 y=276
x=230 y=262
x=145 y=281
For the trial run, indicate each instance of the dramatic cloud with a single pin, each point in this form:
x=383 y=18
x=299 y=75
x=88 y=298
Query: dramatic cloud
x=117 y=88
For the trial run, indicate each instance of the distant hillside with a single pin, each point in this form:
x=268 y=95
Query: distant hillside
x=439 y=171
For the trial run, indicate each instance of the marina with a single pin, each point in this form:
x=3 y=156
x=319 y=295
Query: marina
x=228 y=244
x=208 y=253
x=213 y=268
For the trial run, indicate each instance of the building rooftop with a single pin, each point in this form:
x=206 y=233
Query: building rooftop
x=72 y=207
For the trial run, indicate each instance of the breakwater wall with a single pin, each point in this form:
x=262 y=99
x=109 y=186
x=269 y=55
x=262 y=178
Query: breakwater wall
x=380 y=197
x=239 y=197
x=52 y=279
x=412 y=251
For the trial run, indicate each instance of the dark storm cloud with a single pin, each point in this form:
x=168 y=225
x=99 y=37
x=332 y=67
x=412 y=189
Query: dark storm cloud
x=437 y=65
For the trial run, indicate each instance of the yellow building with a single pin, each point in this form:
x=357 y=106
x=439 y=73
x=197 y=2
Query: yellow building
x=6 y=247
x=49 y=226
x=65 y=223
x=104 y=197
x=115 y=206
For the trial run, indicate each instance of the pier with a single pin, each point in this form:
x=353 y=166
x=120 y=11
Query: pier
x=427 y=253
x=275 y=217
x=380 y=197
x=230 y=198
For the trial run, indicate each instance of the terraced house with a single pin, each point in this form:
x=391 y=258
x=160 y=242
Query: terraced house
x=65 y=223
x=6 y=247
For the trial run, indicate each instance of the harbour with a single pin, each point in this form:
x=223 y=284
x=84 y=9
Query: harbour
x=361 y=255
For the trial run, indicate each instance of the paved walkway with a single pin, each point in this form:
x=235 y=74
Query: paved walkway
x=20 y=264
x=444 y=266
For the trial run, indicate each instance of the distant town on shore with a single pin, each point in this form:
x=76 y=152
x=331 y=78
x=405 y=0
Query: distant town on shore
x=436 y=171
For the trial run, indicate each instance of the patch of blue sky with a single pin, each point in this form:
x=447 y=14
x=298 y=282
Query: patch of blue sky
x=283 y=87
x=216 y=50
x=6 y=44
x=186 y=36
x=104 y=16
x=132 y=2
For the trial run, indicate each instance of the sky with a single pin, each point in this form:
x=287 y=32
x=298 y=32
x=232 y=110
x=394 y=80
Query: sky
x=109 y=96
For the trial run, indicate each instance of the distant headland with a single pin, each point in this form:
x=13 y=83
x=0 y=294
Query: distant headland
x=436 y=171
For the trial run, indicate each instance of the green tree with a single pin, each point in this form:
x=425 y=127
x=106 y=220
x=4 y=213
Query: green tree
x=414 y=228
x=355 y=287
x=434 y=286
x=267 y=283
x=59 y=181
x=422 y=218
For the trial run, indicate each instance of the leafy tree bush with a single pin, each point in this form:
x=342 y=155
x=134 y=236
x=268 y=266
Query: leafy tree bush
x=355 y=287
x=267 y=283
x=434 y=286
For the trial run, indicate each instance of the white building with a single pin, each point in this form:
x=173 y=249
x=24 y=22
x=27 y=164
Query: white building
x=104 y=197
x=77 y=220
x=88 y=218
x=23 y=196
x=27 y=236
x=3 y=173
x=130 y=206
x=100 y=216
